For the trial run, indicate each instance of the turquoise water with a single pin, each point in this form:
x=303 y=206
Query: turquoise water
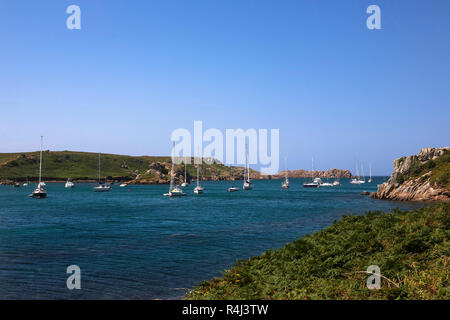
x=133 y=243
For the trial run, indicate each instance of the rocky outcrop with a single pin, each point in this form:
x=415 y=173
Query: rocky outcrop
x=411 y=179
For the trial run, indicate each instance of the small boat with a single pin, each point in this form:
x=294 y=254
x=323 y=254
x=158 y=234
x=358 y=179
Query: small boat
x=311 y=185
x=316 y=181
x=336 y=182
x=285 y=184
x=198 y=189
x=326 y=184
x=69 y=184
x=26 y=183
x=122 y=185
x=101 y=187
x=232 y=188
x=39 y=192
x=370 y=172
x=248 y=185
x=357 y=179
x=174 y=191
x=185 y=183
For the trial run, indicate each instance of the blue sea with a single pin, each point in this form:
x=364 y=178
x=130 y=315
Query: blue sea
x=134 y=243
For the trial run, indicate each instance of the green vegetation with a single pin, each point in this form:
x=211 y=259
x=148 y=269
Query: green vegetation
x=411 y=248
x=438 y=170
x=61 y=165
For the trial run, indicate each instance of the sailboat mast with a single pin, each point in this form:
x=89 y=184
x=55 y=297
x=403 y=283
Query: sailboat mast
x=246 y=162
x=198 y=183
x=285 y=168
x=99 y=168
x=40 y=161
x=171 y=171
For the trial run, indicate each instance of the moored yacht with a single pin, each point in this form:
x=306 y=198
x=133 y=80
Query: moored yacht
x=39 y=192
x=101 y=187
x=174 y=191
x=198 y=189
x=185 y=183
x=316 y=181
x=248 y=185
x=285 y=184
x=69 y=184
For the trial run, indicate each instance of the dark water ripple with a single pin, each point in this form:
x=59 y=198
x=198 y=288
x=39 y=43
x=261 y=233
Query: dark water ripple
x=133 y=243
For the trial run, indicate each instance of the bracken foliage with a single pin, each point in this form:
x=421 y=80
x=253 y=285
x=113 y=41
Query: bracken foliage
x=410 y=247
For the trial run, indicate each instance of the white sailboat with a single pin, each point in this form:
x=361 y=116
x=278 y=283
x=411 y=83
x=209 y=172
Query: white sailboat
x=185 y=183
x=122 y=185
x=248 y=185
x=232 y=188
x=101 y=187
x=69 y=184
x=370 y=172
x=174 y=191
x=357 y=179
x=39 y=192
x=198 y=189
x=285 y=184
x=316 y=181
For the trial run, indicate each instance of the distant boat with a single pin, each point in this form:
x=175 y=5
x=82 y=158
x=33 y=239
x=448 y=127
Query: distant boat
x=370 y=172
x=315 y=183
x=39 y=192
x=326 y=184
x=174 y=191
x=336 y=182
x=198 y=189
x=247 y=182
x=232 y=188
x=285 y=184
x=185 y=183
x=358 y=179
x=69 y=184
x=123 y=185
x=101 y=187
x=26 y=183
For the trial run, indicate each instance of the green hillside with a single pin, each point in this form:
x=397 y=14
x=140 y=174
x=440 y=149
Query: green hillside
x=411 y=248
x=437 y=169
x=60 y=165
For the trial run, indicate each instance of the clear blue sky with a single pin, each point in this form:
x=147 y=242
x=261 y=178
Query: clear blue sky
x=139 y=69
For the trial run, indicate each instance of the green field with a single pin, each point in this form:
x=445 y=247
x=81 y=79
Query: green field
x=61 y=165
x=411 y=248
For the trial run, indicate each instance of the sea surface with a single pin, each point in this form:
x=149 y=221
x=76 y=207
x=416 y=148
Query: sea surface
x=134 y=243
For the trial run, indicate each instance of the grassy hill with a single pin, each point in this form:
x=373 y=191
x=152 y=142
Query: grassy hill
x=60 y=165
x=411 y=248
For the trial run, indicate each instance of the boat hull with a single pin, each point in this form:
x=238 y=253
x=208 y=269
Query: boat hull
x=310 y=185
x=39 y=194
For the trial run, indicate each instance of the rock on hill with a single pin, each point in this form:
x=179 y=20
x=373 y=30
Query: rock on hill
x=421 y=177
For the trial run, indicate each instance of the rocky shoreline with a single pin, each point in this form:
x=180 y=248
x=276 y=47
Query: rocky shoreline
x=420 y=177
